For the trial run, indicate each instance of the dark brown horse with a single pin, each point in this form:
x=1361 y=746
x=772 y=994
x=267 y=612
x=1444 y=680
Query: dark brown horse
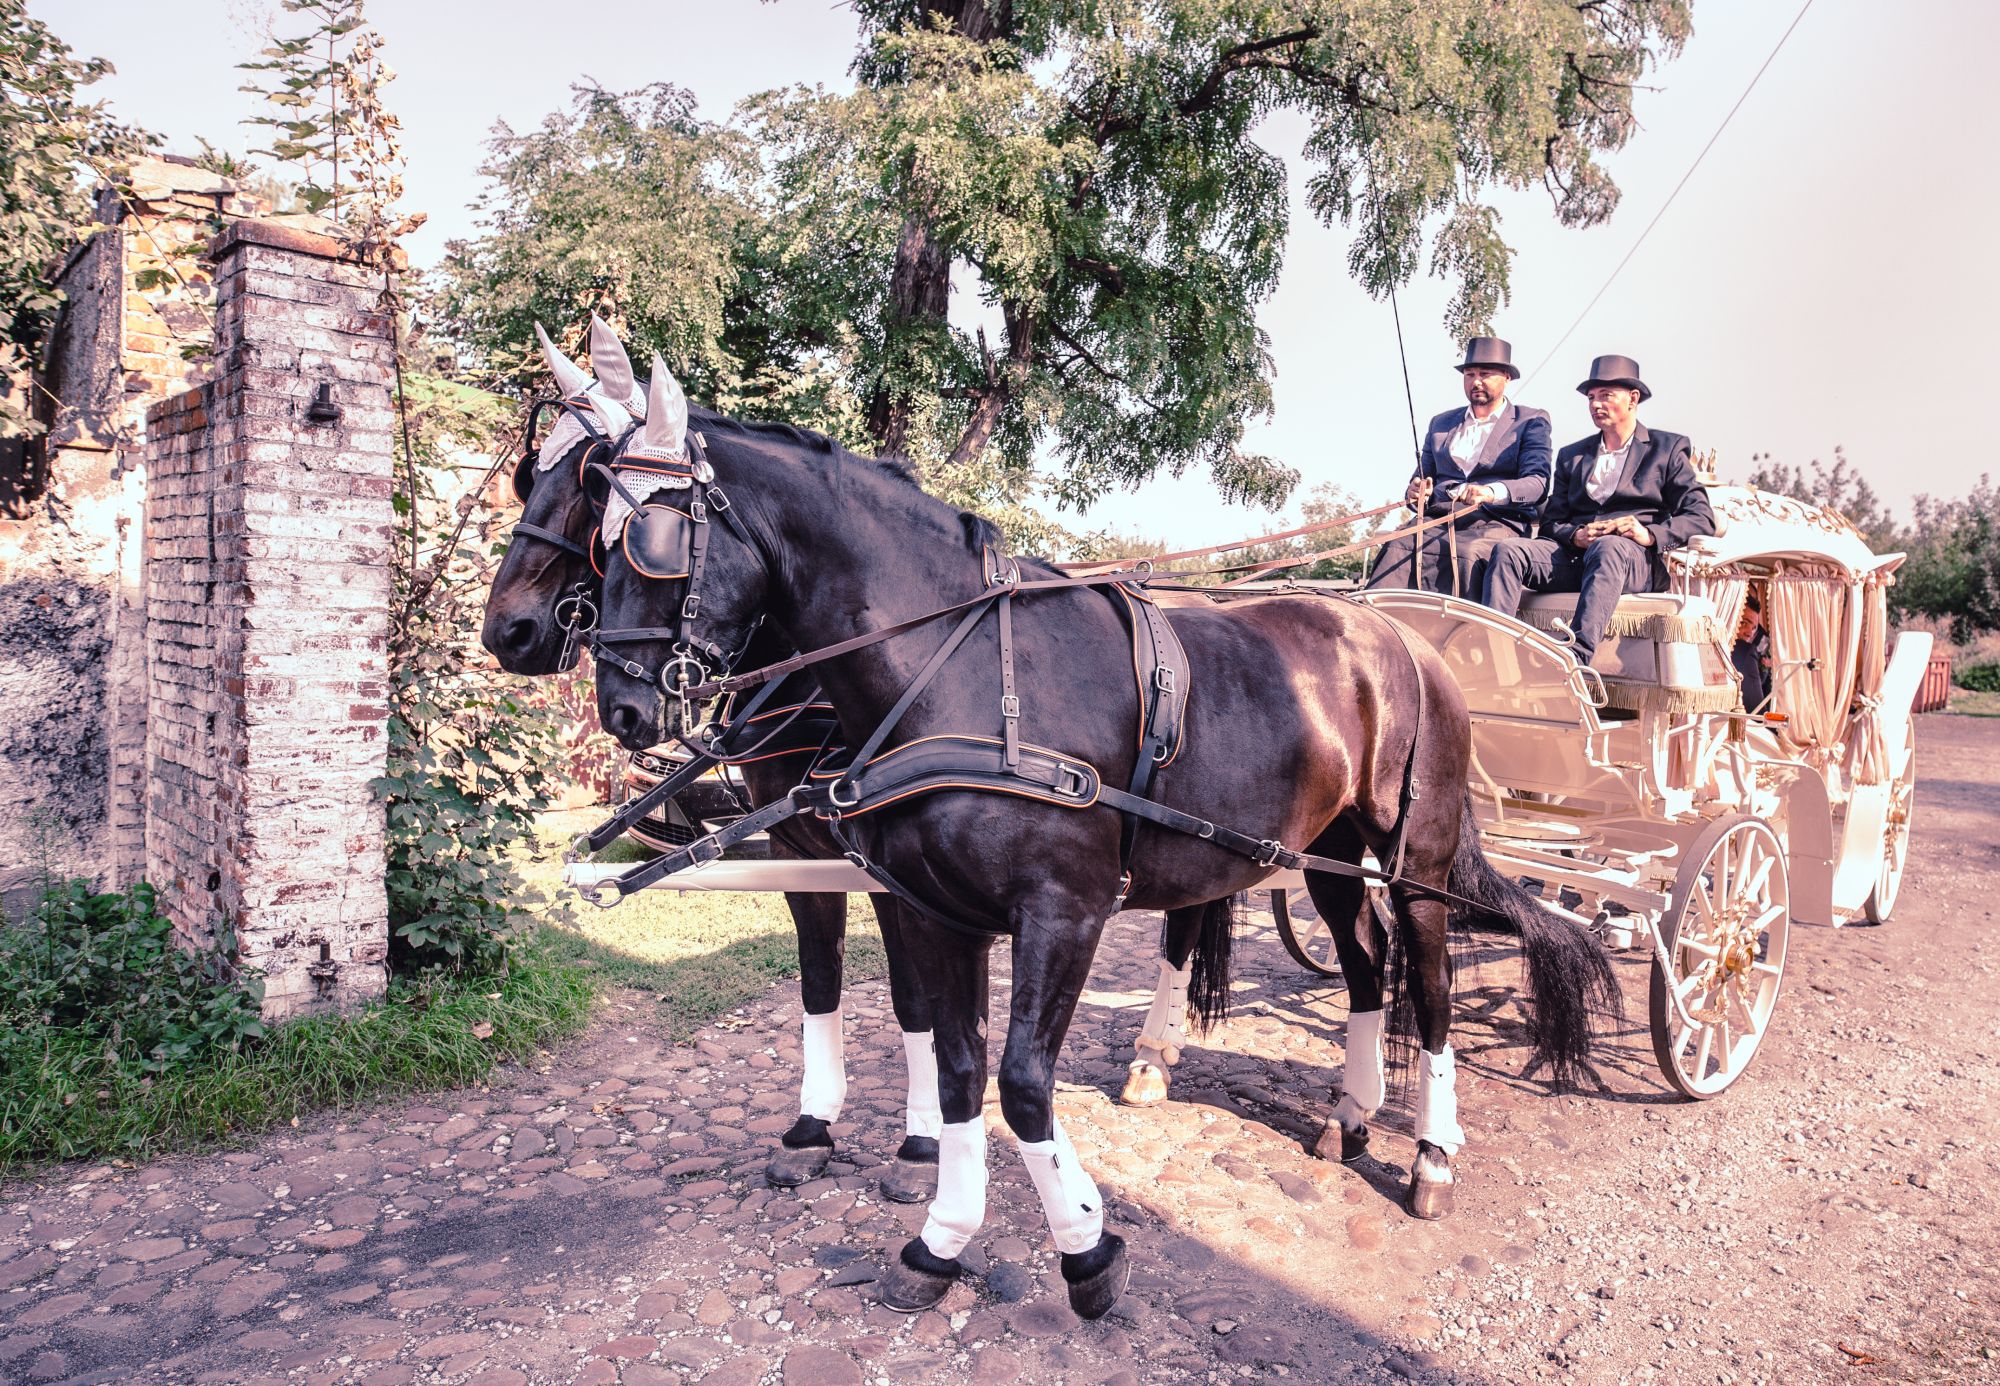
x=1308 y=721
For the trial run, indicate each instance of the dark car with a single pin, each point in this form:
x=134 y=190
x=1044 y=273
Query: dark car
x=710 y=801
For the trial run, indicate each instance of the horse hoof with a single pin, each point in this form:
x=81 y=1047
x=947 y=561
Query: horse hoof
x=1145 y=1087
x=1430 y=1193
x=912 y=1177
x=1351 y=1146
x=802 y=1154
x=916 y=1280
x=1097 y=1277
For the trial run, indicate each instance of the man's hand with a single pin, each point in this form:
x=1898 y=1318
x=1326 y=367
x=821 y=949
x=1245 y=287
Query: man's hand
x=1488 y=494
x=1625 y=525
x=1418 y=494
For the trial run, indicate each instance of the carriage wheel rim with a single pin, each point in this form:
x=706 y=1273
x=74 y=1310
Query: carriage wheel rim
x=1728 y=949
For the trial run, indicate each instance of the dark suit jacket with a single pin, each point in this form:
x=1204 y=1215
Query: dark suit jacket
x=1658 y=487
x=1516 y=455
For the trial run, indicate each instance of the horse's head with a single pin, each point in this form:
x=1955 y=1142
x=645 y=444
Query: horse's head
x=544 y=597
x=684 y=580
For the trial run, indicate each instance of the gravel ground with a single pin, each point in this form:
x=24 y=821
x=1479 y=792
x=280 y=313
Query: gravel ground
x=605 y=1220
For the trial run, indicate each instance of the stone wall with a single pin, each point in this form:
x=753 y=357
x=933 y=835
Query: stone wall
x=135 y=325
x=268 y=585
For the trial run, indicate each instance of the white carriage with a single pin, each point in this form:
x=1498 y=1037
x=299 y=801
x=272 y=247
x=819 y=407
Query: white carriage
x=1651 y=806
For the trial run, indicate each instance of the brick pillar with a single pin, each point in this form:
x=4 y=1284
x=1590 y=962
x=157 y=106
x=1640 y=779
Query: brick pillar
x=268 y=586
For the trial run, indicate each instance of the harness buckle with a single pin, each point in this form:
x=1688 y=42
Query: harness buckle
x=856 y=859
x=1070 y=780
x=833 y=793
x=1268 y=851
x=1124 y=889
x=697 y=511
x=1010 y=706
x=716 y=499
x=691 y=607
x=696 y=858
x=1416 y=787
x=1163 y=679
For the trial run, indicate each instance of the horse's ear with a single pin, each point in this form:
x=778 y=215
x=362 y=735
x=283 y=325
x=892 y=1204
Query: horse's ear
x=666 y=412
x=608 y=359
x=611 y=416
x=571 y=379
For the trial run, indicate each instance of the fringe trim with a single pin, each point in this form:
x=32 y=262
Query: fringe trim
x=1653 y=697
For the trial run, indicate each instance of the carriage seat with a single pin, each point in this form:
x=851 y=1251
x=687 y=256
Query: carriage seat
x=1663 y=652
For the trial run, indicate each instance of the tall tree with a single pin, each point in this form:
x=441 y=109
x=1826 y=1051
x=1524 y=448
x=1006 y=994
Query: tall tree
x=1090 y=170
x=55 y=148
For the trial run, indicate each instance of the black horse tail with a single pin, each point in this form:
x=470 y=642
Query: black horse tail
x=1571 y=987
x=1208 y=968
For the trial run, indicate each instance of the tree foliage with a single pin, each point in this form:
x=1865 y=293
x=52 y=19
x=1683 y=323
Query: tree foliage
x=54 y=149
x=1089 y=176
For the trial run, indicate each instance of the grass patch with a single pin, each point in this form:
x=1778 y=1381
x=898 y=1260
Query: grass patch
x=62 y=1096
x=698 y=953
x=1974 y=703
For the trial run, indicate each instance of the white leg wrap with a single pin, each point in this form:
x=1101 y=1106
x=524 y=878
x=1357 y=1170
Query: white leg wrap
x=1069 y=1196
x=1165 y=1030
x=823 y=1087
x=1437 y=1101
x=924 y=1116
x=960 y=1205
x=1363 y=1075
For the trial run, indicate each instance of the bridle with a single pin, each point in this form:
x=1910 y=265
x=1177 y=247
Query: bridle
x=666 y=543
x=576 y=610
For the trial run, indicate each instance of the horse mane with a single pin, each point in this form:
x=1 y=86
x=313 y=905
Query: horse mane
x=979 y=531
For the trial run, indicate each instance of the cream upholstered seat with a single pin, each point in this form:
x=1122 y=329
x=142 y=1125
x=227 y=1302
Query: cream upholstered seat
x=1663 y=652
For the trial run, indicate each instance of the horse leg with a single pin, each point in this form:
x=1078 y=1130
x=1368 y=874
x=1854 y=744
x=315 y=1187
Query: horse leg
x=912 y=1176
x=1363 y=946
x=1052 y=954
x=1158 y=1047
x=821 y=921
x=954 y=968
x=1438 y=1133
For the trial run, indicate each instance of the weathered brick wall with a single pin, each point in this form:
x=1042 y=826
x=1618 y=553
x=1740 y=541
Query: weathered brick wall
x=72 y=677
x=268 y=585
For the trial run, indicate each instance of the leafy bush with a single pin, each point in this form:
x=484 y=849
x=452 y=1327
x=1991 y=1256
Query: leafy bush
x=105 y=970
x=1980 y=678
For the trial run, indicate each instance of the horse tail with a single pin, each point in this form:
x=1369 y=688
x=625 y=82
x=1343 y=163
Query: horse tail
x=1571 y=986
x=1208 y=967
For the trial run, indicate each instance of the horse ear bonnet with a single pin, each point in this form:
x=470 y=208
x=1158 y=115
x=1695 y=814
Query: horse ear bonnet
x=608 y=359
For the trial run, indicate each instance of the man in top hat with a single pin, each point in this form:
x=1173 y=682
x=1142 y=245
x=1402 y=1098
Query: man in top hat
x=1618 y=502
x=1482 y=473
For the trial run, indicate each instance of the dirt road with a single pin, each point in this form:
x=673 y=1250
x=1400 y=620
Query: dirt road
x=1831 y=1218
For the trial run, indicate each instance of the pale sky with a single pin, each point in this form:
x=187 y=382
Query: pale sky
x=1829 y=276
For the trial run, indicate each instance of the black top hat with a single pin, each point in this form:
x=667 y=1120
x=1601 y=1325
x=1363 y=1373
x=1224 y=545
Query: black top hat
x=1615 y=370
x=1492 y=353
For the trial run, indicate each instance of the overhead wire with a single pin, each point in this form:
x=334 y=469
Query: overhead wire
x=1594 y=298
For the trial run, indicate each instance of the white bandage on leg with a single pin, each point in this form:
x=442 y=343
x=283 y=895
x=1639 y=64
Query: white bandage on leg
x=924 y=1116
x=1070 y=1198
x=960 y=1205
x=1437 y=1101
x=1165 y=1030
x=823 y=1086
x=1363 y=1076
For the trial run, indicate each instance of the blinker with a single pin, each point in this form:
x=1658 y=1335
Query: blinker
x=659 y=541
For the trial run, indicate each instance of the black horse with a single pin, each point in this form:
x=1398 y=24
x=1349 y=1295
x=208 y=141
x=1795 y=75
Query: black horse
x=538 y=615
x=1311 y=722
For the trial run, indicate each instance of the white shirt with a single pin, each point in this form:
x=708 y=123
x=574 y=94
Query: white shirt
x=1469 y=438
x=1602 y=479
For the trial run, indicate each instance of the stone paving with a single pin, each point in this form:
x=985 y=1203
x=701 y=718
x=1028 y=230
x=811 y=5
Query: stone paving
x=605 y=1219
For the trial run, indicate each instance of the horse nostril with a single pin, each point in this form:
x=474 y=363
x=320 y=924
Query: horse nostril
x=623 y=721
x=519 y=637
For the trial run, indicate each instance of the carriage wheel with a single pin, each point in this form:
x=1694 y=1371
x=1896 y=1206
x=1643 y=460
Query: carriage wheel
x=1895 y=845
x=1724 y=933
x=1312 y=948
